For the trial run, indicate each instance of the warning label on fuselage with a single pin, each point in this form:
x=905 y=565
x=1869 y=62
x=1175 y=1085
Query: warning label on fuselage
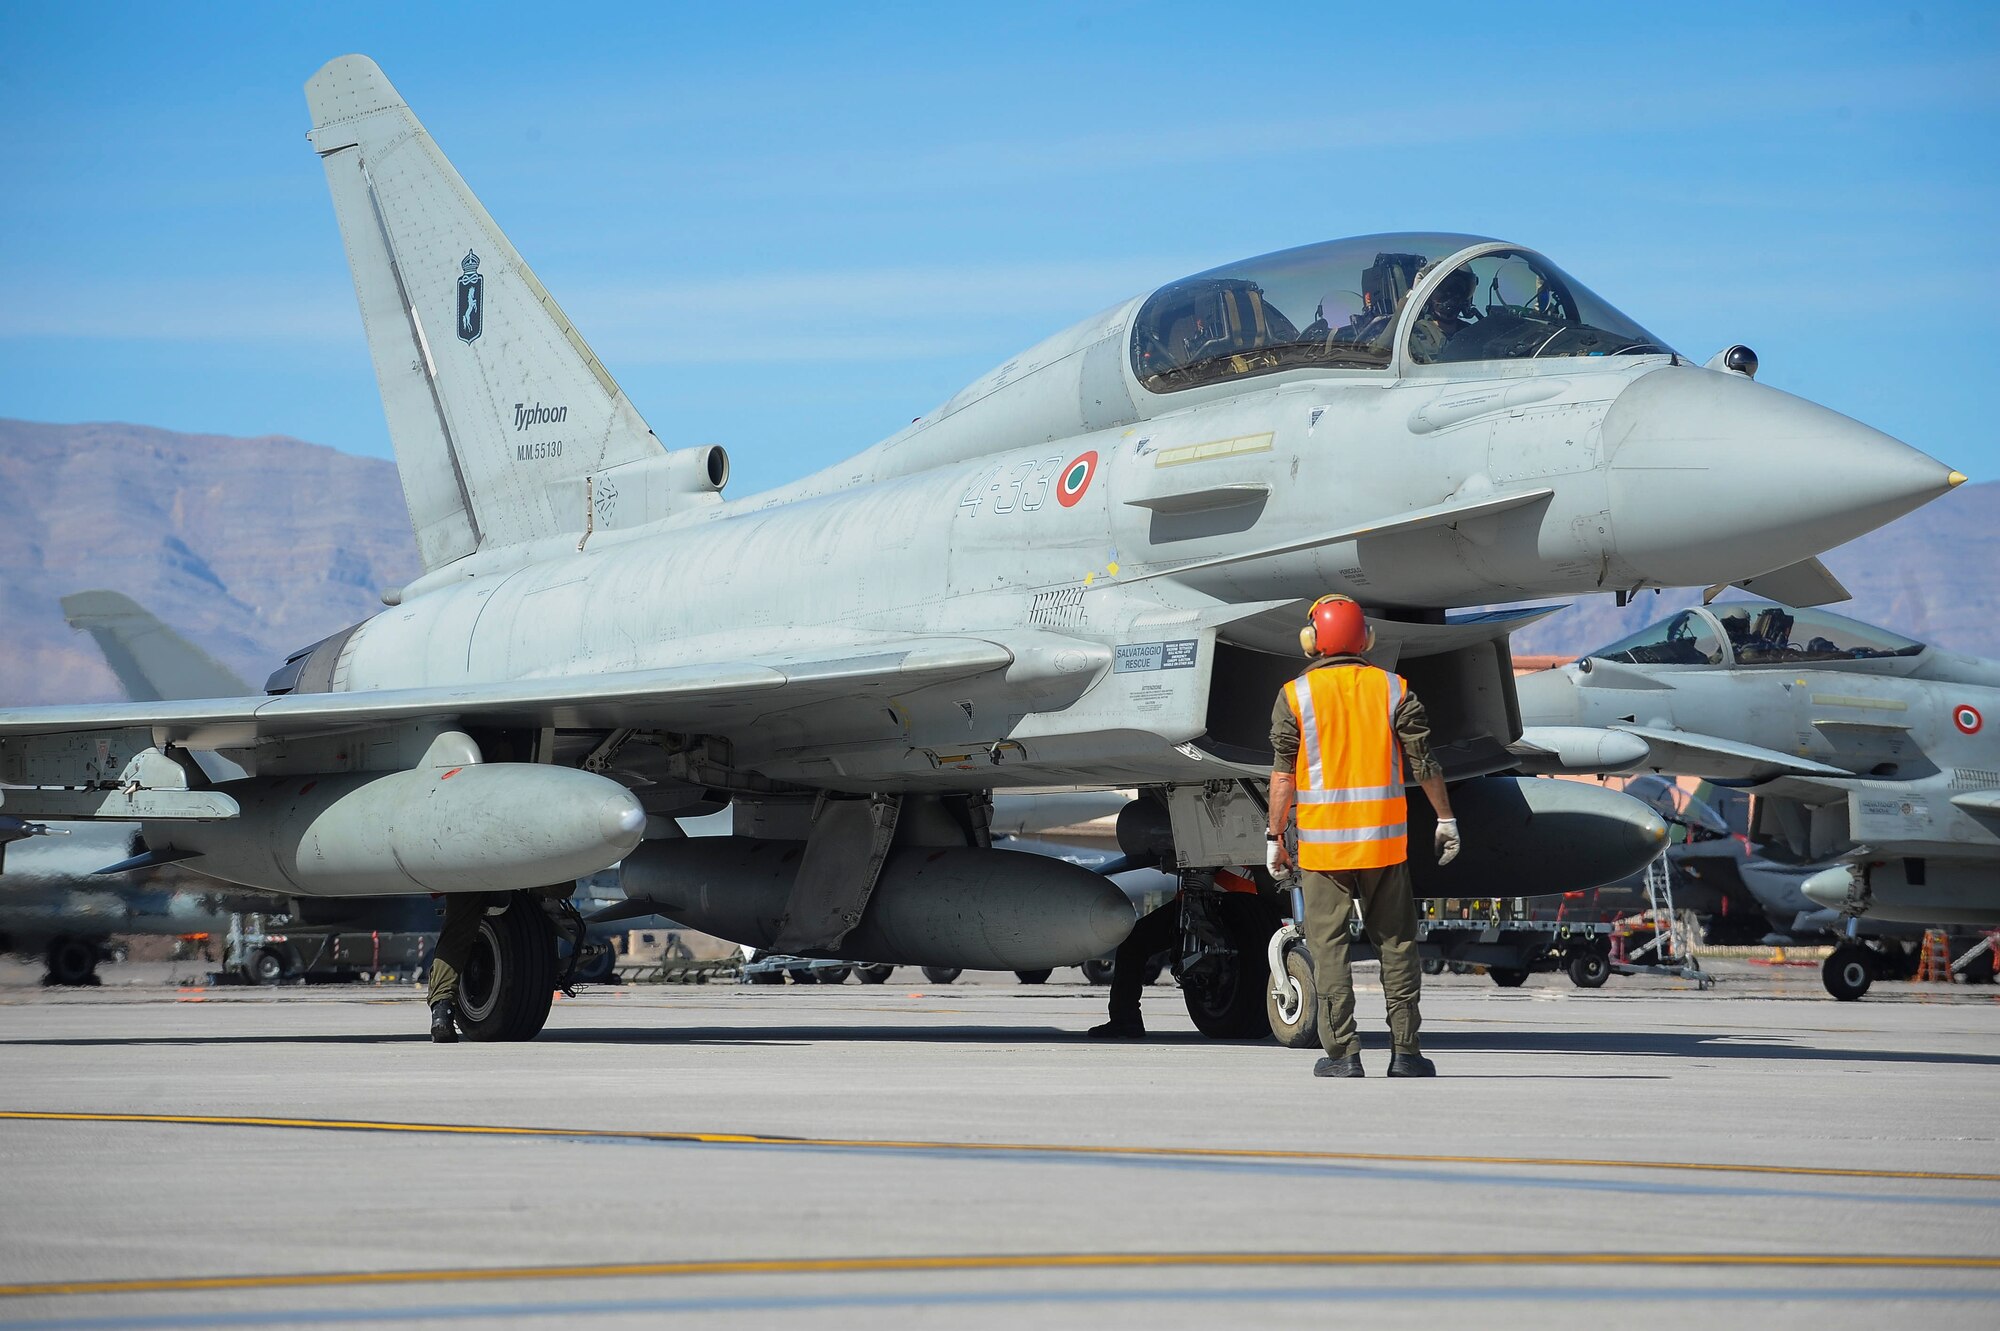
x=1135 y=656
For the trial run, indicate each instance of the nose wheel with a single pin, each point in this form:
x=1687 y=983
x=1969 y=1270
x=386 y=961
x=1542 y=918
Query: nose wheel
x=1291 y=1006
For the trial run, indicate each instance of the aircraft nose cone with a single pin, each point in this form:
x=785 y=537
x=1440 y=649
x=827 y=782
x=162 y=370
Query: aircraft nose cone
x=1713 y=478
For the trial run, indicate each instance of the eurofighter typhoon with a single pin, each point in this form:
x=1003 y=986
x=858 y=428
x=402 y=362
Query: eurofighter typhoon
x=1859 y=743
x=1086 y=569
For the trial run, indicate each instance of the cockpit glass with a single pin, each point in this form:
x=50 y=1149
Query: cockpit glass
x=1756 y=633
x=1688 y=638
x=1514 y=305
x=1331 y=306
x=1764 y=633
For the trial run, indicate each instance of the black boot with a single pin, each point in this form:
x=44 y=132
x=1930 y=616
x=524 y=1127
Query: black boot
x=1411 y=1065
x=1340 y=1067
x=1120 y=1028
x=444 y=1026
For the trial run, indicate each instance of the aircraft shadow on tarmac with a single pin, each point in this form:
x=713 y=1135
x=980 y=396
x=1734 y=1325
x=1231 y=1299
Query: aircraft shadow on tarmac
x=1615 y=1044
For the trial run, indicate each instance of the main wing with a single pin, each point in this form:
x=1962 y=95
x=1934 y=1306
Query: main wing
x=1694 y=754
x=866 y=681
x=677 y=697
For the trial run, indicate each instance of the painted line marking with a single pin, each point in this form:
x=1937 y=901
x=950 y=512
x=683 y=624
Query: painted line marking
x=1012 y=1148
x=1092 y=1261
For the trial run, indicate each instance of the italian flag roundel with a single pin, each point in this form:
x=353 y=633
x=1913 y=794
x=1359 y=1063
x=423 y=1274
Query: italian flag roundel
x=1967 y=719
x=1075 y=478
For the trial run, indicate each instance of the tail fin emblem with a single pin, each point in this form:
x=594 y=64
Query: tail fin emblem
x=471 y=299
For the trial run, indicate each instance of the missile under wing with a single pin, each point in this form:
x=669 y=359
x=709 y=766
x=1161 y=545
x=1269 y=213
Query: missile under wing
x=1084 y=569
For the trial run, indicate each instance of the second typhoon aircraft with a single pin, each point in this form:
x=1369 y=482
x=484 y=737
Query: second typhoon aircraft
x=1085 y=569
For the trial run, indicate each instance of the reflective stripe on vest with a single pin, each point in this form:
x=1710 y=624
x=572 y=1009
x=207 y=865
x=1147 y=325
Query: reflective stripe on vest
x=1350 y=773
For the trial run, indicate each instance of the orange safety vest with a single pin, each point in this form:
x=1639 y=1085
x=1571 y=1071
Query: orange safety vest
x=1349 y=775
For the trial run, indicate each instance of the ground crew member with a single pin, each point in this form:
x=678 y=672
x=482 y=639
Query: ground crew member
x=1347 y=738
x=1156 y=931
x=462 y=913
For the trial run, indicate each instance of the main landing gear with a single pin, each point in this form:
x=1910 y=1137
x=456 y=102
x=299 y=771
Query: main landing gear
x=510 y=980
x=72 y=961
x=1224 y=974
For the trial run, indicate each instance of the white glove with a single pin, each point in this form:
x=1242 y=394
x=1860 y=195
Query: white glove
x=1273 y=848
x=1446 y=841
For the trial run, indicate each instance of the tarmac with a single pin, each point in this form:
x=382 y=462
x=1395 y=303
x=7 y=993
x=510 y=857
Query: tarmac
x=916 y=1155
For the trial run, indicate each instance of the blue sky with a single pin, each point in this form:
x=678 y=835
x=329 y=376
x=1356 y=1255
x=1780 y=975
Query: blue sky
x=791 y=229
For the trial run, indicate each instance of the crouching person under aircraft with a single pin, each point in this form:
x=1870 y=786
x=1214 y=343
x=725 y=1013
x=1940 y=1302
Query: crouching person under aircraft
x=1346 y=738
x=462 y=913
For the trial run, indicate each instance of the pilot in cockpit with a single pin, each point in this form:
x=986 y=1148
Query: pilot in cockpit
x=1447 y=313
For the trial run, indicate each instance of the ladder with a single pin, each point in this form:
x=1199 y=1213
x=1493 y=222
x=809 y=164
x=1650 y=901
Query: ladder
x=1935 y=962
x=1670 y=951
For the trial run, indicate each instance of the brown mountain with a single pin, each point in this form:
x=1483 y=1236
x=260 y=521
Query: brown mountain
x=250 y=547
x=256 y=547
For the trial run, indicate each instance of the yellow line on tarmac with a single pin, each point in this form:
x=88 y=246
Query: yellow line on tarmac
x=1093 y=1261
x=1038 y=1148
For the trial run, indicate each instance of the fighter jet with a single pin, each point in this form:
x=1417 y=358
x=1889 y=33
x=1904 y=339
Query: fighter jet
x=53 y=902
x=1085 y=569
x=1861 y=745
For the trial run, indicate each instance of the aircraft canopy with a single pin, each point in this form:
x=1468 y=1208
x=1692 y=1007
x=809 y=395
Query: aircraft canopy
x=1755 y=633
x=1340 y=305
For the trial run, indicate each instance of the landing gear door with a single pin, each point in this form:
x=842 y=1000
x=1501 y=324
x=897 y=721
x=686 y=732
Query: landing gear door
x=1216 y=825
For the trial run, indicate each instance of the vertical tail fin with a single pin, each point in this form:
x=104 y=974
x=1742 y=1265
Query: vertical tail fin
x=497 y=408
x=153 y=663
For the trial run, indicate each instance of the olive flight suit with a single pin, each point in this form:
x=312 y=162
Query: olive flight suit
x=1388 y=906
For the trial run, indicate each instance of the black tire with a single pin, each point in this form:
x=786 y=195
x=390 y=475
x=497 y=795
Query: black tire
x=767 y=977
x=1033 y=977
x=1097 y=970
x=1231 y=1004
x=1980 y=969
x=510 y=979
x=72 y=961
x=599 y=966
x=268 y=965
x=942 y=974
x=835 y=975
x=1433 y=965
x=1294 y=1018
x=1508 y=977
x=1589 y=969
x=874 y=974
x=1848 y=972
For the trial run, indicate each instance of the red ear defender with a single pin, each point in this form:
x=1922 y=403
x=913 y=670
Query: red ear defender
x=1335 y=627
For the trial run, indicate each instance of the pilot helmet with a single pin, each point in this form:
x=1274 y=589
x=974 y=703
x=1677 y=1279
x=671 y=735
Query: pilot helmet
x=1454 y=291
